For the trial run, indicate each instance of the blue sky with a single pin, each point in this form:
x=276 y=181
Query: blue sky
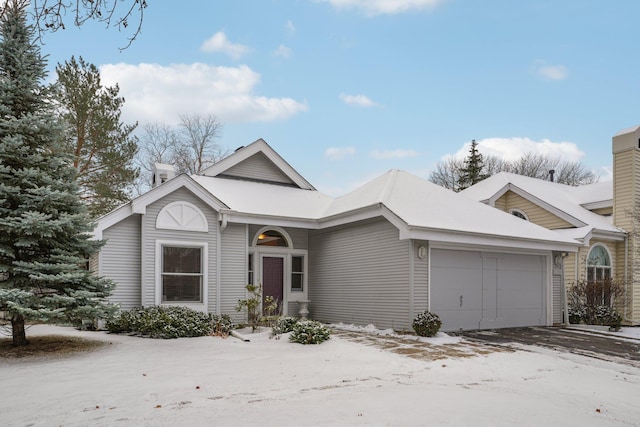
x=347 y=89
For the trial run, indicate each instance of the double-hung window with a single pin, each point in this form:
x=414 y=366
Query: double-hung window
x=182 y=273
x=297 y=273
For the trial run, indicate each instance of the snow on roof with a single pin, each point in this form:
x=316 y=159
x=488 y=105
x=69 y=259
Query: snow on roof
x=422 y=204
x=418 y=203
x=258 y=198
x=565 y=199
x=593 y=193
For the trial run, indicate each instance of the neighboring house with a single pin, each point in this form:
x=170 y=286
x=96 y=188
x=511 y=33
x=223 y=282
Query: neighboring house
x=379 y=255
x=602 y=217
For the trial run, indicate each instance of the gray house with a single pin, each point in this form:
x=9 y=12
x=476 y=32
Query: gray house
x=379 y=255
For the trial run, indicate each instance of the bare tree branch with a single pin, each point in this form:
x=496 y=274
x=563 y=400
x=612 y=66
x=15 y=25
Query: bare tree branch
x=448 y=173
x=51 y=15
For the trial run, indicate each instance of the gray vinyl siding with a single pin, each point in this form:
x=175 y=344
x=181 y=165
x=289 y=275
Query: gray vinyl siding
x=420 y=300
x=150 y=235
x=360 y=274
x=299 y=236
x=120 y=261
x=258 y=167
x=233 y=270
x=293 y=308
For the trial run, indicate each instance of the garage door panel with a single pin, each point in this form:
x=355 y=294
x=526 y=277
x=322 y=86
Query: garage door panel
x=471 y=290
x=517 y=262
x=456 y=259
x=461 y=289
x=455 y=320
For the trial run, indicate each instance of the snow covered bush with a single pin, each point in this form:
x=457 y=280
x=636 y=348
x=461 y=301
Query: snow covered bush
x=593 y=303
x=309 y=332
x=608 y=316
x=427 y=324
x=576 y=314
x=122 y=321
x=162 y=322
x=283 y=325
x=221 y=325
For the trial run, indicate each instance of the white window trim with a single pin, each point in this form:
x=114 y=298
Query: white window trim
x=167 y=220
x=610 y=266
x=303 y=272
x=201 y=306
x=519 y=211
x=280 y=230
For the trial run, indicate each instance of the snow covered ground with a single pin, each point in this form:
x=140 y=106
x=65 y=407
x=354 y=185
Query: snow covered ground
x=266 y=382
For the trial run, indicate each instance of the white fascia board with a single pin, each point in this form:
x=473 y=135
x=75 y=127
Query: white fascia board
x=491 y=201
x=490 y=240
x=256 y=147
x=281 y=221
x=350 y=217
x=139 y=205
x=598 y=205
x=557 y=212
x=360 y=214
x=112 y=218
x=608 y=235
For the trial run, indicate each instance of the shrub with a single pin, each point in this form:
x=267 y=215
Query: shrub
x=427 y=324
x=283 y=325
x=309 y=332
x=162 y=322
x=593 y=303
x=608 y=316
x=576 y=314
x=122 y=321
x=221 y=324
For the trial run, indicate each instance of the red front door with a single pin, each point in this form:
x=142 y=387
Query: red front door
x=273 y=280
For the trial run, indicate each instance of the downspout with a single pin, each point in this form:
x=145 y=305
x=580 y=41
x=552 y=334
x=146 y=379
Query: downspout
x=223 y=221
x=626 y=278
x=564 y=288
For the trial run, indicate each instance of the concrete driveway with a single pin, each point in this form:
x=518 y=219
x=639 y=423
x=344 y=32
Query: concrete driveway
x=586 y=343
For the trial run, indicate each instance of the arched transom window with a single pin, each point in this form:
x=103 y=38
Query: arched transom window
x=598 y=264
x=272 y=238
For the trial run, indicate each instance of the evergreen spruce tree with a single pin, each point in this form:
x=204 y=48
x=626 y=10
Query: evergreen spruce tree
x=472 y=172
x=44 y=226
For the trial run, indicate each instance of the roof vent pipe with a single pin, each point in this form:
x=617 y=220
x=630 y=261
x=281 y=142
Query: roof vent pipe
x=551 y=173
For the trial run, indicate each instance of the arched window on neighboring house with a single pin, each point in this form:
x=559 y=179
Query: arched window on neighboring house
x=598 y=264
x=519 y=213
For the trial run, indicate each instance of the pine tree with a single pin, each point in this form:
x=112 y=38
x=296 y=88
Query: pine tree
x=102 y=147
x=44 y=226
x=472 y=172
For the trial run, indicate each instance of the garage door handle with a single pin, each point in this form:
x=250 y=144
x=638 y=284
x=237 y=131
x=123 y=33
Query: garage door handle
x=460 y=300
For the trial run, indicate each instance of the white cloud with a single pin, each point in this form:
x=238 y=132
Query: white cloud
x=290 y=27
x=339 y=153
x=551 y=72
x=393 y=154
x=283 y=52
x=219 y=43
x=161 y=93
x=357 y=100
x=383 y=7
x=513 y=148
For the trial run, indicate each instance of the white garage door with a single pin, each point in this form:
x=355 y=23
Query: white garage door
x=484 y=290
